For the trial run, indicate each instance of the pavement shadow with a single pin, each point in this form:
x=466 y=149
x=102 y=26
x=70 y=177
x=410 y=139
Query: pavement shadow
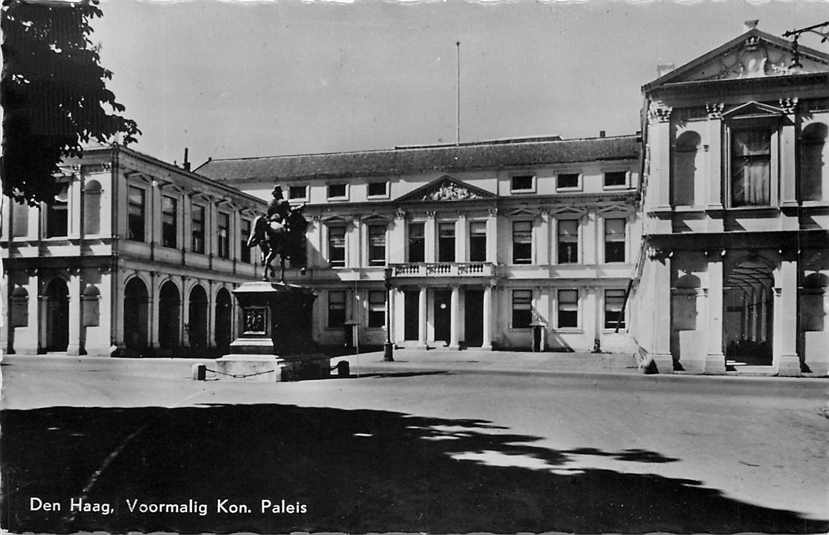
x=354 y=470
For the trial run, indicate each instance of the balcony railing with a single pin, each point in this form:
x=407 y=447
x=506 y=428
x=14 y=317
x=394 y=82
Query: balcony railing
x=444 y=269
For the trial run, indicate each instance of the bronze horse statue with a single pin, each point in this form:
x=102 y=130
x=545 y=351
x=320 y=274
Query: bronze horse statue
x=285 y=238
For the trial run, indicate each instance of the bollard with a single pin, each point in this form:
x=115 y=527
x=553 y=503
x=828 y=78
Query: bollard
x=199 y=372
x=343 y=369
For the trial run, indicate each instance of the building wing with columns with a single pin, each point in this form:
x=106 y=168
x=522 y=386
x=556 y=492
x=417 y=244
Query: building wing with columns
x=483 y=241
x=736 y=211
x=135 y=256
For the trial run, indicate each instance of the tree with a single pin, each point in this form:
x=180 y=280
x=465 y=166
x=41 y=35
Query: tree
x=53 y=93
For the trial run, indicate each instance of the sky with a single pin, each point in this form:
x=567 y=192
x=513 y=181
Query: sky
x=240 y=79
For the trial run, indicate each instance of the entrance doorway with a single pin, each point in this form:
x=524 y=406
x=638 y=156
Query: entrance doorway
x=474 y=318
x=169 y=316
x=135 y=314
x=198 y=319
x=223 y=327
x=443 y=315
x=749 y=311
x=57 y=316
x=410 y=314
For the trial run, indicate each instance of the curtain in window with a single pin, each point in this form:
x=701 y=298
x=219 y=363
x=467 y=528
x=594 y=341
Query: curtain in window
x=750 y=168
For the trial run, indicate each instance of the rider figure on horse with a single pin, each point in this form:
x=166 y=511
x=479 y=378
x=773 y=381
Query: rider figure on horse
x=278 y=210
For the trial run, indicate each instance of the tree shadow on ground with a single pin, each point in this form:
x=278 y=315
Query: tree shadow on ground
x=355 y=470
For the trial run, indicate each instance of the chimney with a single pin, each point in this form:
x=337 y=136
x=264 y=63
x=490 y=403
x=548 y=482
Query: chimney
x=602 y=133
x=186 y=163
x=750 y=24
x=664 y=68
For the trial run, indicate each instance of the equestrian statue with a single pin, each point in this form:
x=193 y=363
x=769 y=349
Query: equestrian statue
x=280 y=231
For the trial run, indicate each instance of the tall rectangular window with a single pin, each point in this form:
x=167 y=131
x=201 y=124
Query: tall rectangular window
x=417 y=243
x=197 y=229
x=336 y=246
x=21 y=219
x=336 y=309
x=750 y=167
x=446 y=242
x=614 y=240
x=522 y=242
x=136 y=205
x=568 y=309
x=223 y=233
x=244 y=234
x=376 y=245
x=477 y=241
x=376 y=309
x=169 y=221
x=614 y=302
x=522 y=314
x=568 y=241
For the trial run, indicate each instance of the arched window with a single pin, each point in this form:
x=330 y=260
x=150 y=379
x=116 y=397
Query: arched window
x=19 y=316
x=686 y=162
x=813 y=162
x=812 y=307
x=90 y=302
x=92 y=207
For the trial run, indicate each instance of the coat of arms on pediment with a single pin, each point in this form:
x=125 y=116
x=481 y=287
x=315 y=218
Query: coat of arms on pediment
x=447 y=188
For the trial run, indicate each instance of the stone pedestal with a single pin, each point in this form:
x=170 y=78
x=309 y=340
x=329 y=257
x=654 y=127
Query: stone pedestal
x=275 y=342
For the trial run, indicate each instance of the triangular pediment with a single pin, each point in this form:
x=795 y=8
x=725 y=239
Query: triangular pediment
x=446 y=188
x=754 y=110
x=754 y=54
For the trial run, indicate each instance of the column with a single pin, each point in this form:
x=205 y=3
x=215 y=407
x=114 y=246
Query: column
x=429 y=234
x=715 y=359
x=492 y=236
x=391 y=300
x=454 y=317
x=461 y=240
x=106 y=288
x=74 y=198
x=185 y=313
x=660 y=352
x=658 y=197
x=154 y=298
x=74 y=347
x=26 y=339
x=788 y=165
x=713 y=186
x=784 y=339
x=211 y=314
x=421 y=318
x=487 y=334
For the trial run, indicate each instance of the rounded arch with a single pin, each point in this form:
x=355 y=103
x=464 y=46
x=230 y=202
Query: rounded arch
x=688 y=281
x=92 y=207
x=197 y=318
x=748 y=300
x=814 y=161
x=223 y=315
x=169 y=316
x=136 y=314
x=686 y=165
x=56 y=301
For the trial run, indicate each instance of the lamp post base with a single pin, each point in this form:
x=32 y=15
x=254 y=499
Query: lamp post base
x=388 y=352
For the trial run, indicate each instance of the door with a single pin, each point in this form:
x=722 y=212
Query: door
x=57 y=316
x=474 y=318
x=410 y=314
x=443 y=315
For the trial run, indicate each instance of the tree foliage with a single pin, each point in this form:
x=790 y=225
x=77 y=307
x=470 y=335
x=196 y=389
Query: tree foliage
x=54 y=94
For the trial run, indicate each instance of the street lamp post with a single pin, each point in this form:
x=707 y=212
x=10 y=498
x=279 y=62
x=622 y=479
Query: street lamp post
x=388 y=348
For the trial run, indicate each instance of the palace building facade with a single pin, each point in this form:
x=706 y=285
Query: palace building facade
x=484 y=243
x=134 y=257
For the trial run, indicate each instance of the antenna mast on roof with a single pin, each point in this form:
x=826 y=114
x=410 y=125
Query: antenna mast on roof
x=458 y=103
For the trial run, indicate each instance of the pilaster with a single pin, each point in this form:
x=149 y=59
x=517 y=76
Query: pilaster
x=421 y=317
x=659 y=141
x=461 y=240
x=715 y=359
x=489 y=313
x=397 y=238
x=492 y=236
x=429 y=236
x=75 y=345
x=454 y=317
x=660 y=351
x=784 y=340
x=714 y=196
x=542 y=238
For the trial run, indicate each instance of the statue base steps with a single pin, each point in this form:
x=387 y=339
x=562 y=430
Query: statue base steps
x=263 y=368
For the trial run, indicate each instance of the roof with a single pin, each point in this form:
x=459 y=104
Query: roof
x=498 y=154
x=680 y=73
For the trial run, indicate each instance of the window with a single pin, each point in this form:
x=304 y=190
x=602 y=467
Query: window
x=477 y=241
x=92 y=207
x=446 y=242
x=337 y=191
x=568 y=241
x=614 y=240
x=522 y=314
x=336 y=246
x=376 y=245
x=814 y=161
x=376 y=309
x=297 y=192
x=522 y=241
x=615 y=179
x=417 y=244
x=136 y=204
x=750 y=167
x=223 y=232
x=169 y=221
x=197 y=229
x=568 y=309
x=521 y=183
x=614 y=315
x=567 y=181
x=685 y=169
x=244 y=233
x=336 y=309
x=21 y=219
x=378 y=189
